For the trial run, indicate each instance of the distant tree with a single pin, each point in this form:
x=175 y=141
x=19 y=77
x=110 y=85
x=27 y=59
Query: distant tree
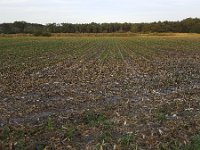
x=134 y=28
x=146 y=28
x=187 y=25
x=18 y=26
x=6 y=28
x=195 y=28
x=51 y=27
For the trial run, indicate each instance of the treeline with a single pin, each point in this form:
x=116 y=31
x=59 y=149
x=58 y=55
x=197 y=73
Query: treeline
x=189 y=25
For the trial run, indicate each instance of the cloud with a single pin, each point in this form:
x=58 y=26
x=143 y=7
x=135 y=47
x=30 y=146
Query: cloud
x=44 y=11
x=8 y=2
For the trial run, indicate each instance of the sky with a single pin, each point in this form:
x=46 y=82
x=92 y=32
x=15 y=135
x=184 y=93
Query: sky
x=86 y=11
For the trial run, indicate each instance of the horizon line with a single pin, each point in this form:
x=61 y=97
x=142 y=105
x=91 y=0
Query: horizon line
x=102 y=22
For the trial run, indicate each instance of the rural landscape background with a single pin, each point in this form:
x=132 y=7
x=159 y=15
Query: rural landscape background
x=189 y=25
x=106 y=84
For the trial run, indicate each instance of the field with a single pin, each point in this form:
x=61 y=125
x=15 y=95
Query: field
x=106 y=92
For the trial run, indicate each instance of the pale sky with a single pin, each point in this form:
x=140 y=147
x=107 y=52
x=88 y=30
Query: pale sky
x=86 y=11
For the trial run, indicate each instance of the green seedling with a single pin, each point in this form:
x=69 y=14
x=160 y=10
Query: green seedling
x=127 y=139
